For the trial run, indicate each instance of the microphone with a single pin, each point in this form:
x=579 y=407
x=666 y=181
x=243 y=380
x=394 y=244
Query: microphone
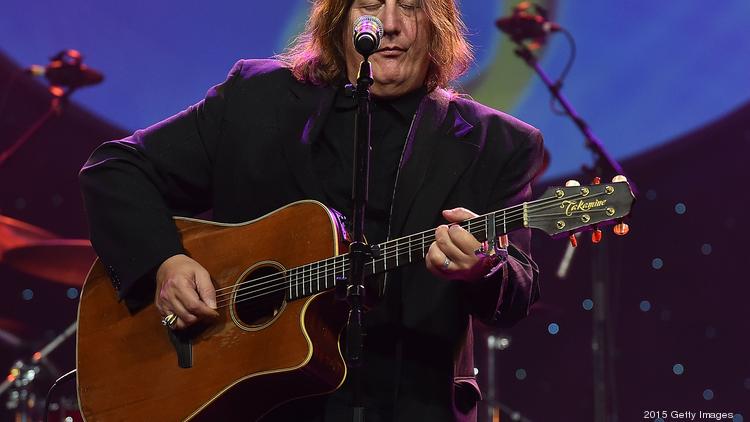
x=66 y=69
x=524 y=25
x=368 y=31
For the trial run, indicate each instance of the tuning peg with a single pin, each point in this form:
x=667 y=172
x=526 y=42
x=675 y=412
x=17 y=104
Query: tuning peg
x=621 y=229
x=619 y=178
x=573 y=240
x=596 y=236
x=572 y=182
x=597 y=180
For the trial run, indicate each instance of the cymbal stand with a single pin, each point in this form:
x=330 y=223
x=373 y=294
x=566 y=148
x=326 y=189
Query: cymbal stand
x=57 y=105
x=22 y=374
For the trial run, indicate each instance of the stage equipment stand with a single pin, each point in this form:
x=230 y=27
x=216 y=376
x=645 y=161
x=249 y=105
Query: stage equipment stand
x=22 y=374
x=359 y=251
x=368 y=31
x=602 y=344
x=65 y=70
x=57 y=104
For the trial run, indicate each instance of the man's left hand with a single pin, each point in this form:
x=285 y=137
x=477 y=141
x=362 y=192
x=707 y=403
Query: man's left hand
x=452 y=255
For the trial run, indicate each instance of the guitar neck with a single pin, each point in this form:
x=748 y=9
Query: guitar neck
x=322 y=275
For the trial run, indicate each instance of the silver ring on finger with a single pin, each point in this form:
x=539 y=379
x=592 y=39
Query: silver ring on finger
x=169 y=321
x=446 y=263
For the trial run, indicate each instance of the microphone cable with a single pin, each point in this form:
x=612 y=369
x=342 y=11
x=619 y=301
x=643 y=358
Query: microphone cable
x=564 y=74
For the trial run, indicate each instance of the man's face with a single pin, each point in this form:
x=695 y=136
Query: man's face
x=401 y=63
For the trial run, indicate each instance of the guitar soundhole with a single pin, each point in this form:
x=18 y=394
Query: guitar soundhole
x=260 y=297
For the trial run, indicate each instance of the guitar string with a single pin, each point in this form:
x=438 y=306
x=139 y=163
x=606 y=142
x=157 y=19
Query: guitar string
x=326 y=272
x=388 y=253
x=535 y=206
x=285 y=283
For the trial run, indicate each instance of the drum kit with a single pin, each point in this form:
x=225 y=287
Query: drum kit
x=41 y=254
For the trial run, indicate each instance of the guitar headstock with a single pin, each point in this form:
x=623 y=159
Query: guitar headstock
x=564 y=210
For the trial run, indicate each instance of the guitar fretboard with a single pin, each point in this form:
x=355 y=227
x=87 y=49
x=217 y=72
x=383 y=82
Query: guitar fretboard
x=323 y=275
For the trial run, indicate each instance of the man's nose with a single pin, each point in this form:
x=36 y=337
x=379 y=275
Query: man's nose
x=391 y=18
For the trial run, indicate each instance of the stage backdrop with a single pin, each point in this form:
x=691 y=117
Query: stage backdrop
x=664 y=84
x=646 y=71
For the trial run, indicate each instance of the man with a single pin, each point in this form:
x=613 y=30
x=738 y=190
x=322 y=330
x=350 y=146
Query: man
x=277 y=131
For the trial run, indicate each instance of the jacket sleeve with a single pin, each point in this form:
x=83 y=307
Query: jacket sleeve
x=505 y=297
x=132 y=187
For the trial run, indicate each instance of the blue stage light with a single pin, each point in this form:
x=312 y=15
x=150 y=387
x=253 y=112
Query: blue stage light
x=72 y=293
x=27 y=294
x=588 y=304
x=645 y=306
x=678 y=369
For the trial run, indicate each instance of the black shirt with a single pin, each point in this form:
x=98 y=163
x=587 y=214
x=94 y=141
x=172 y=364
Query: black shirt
x=332 y=155
x=333 y=152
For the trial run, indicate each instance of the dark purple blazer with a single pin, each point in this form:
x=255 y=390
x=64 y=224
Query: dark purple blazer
x=245 y=150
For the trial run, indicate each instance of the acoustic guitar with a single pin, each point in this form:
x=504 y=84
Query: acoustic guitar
x=276 y=337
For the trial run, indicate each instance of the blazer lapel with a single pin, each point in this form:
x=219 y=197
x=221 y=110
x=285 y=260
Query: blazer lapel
x=310 y=107
x=435 y=155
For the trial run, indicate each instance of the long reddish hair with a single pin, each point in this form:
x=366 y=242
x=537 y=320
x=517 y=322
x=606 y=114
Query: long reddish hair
x=317 y=54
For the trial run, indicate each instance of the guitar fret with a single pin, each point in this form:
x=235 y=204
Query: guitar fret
x=396 y=248
x=489 y=228
x=333 y=272
x=296 y=285
x=505 y=230
x=423 y=254
x=409 y=244
x=291 y=277
x=314 y=266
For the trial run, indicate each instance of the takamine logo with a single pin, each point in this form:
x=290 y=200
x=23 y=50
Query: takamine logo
x=572 y=206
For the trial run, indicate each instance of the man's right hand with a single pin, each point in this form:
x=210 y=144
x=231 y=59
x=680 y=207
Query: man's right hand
x=184 y=288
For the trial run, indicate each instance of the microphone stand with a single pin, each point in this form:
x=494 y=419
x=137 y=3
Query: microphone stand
x=605 y=404
x=57 y=104
x=604 y=164
x=358 y=250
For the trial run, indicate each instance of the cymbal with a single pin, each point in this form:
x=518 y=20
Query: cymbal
x=62 y=261
x=15 y=233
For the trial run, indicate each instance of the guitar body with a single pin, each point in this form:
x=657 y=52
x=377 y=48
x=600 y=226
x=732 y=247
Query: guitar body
x=263 y=350
x=255 y=356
